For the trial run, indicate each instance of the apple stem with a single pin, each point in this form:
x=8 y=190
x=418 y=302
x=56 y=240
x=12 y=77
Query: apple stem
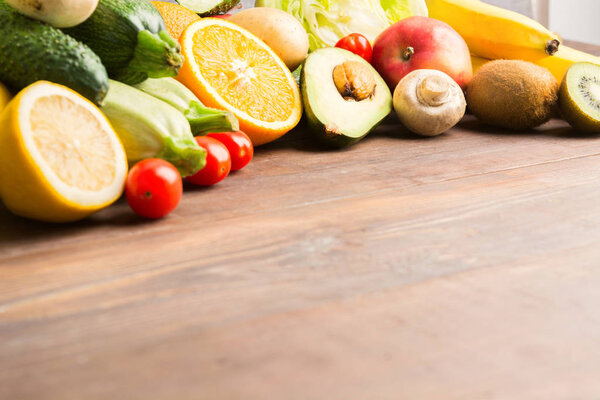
x=408 y=53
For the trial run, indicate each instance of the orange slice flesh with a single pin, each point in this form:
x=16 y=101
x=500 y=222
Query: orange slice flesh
x=229 y=68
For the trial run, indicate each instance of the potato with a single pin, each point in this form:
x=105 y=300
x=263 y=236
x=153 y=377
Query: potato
x=279 y=30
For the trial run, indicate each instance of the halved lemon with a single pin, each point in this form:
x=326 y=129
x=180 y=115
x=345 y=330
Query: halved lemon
x=229 y=68
x=60 y=160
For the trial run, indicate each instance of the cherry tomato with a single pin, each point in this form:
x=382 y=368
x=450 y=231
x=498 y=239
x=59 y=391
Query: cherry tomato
x=218 y=162
x=357 y=44
x=239 y=146
x=153 y=188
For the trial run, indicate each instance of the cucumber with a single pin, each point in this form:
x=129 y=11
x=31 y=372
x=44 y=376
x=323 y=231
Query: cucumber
x=131 y=39
x=32 y=51
x=202 y=119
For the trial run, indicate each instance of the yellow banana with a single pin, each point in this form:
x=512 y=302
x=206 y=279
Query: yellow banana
x=493 y=32
x=566 y=56
x=478 y=62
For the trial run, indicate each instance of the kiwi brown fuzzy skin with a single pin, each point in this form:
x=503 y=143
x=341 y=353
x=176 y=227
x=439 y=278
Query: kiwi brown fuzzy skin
x=572 y=112
x=513 y=94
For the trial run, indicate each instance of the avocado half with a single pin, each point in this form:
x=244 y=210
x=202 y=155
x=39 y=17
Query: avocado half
x=334 y=119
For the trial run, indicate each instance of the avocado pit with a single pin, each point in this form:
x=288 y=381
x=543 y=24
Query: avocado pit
x=354 y=81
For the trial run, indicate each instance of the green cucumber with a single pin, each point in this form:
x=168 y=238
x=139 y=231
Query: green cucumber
x=202 y=119
x=131 y=39
x=149 y=127
x=31 y=51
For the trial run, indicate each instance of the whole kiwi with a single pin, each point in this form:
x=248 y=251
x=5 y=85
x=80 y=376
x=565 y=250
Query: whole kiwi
x=513 y=94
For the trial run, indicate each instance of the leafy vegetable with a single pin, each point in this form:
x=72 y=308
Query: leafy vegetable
x=327 y=21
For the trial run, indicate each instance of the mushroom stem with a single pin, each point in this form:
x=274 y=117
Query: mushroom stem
x=433 y=91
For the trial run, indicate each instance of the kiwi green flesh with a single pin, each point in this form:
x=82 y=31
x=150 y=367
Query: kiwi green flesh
x=579 y=97
x=334 y=120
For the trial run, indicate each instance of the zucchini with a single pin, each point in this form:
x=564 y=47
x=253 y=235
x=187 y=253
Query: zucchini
x=149 y=128
x=202 y=119
x=33 y=51
x=131 y=39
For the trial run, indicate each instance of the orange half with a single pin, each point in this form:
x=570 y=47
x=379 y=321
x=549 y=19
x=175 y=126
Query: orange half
x=229 y=68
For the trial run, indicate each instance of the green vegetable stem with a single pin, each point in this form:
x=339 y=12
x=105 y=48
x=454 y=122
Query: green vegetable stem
x=202 y=119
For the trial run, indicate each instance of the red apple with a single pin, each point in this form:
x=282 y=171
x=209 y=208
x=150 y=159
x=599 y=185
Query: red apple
x=421 y=43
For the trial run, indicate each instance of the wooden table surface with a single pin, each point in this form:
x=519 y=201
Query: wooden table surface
x=464 y=266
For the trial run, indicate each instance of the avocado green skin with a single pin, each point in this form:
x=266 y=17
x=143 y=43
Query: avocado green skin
x=318 y=128
x=571 y=111
x=112 y=33
x=221 y=8
x=32 y=51
x=297 y=73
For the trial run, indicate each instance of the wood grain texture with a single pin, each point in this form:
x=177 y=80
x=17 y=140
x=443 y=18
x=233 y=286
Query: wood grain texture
x=457 y=267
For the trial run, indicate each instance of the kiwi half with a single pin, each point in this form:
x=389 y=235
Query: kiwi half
x=579 y=97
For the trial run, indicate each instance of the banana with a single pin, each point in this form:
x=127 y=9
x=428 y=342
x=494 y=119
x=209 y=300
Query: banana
x=566 y=56
x=478 y=62
x=493 y=32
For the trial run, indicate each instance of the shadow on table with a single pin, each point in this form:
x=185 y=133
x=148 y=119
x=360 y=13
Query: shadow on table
x=555 y=128
x=14 y=228
x=302 y=139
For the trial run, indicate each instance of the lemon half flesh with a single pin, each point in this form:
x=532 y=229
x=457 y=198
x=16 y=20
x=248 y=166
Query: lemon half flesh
x=60 y=159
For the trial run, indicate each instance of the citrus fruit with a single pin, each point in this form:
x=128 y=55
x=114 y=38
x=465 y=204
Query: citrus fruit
x=176 y=17
x=229 y=68
x=60 y=160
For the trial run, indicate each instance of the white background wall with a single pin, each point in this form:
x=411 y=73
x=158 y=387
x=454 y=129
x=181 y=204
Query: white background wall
x=572 y=19
x=576 y=19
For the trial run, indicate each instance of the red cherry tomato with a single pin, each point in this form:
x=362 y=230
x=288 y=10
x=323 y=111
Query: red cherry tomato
x=153 y=188
x=239 y=146
x=218 y=162
x=357 y=44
